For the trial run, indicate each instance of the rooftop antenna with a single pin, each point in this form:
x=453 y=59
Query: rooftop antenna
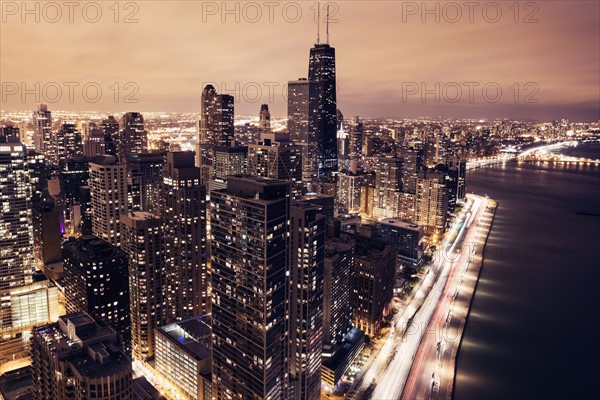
x=327 y=23
x=318 y=23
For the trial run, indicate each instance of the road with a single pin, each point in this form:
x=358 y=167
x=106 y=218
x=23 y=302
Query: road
x=432 y=372
x=401 y=350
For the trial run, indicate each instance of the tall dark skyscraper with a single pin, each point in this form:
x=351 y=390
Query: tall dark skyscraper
x=321 y=70
x=110 y=128
x=264 y=123
x=42 y=132
x=185 y=238
x=250 y=261
x=302 y=124
x=306 y=300
x=144 y=181
x=133 y=138
x=216 y=124
x=68 y=142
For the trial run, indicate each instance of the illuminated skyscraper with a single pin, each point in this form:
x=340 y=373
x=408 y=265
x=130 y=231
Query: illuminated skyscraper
x=108 y=192
x=42 y=132
x=216 y=124
x=321 y=70
x=302 y=124
x=306 y=300
x=264 y=123
x=68 y=142
x=16 y=234
x=337 y=290
x=185 y=238
x=145 y=179
x=133 y=137
x=250 y=261
x=276 y=157
x=96 y=282
x=431 y=202
x=143 y=241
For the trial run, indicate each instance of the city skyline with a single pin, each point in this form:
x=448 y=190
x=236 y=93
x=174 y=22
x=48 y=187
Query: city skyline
x=550 y=53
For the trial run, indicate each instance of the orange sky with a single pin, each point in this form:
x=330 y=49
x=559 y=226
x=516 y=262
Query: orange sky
x=387 y=53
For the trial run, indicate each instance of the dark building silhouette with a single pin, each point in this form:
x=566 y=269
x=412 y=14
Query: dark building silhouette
x=216 y=124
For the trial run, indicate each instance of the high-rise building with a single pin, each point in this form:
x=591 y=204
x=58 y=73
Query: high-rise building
x=355 y=137
x=108 y=193
x=337 y=290
x=405 y=238
x=96 y=282
x=42 y=133
x=46 y=234
x=412 y=164
x=38 y=176
x=321 y=70
x=95 y=142
x=348 y=196
x=302 y=110
x=250 y=261
x=264 y=122
x=276 y=157
x=145 y=179
x=143 y=241
x=76 y=358
x=306 y=300
x=187 y=293
x=133 y=137
x=230 y=161
x=431 y=202
x=68 y=142
x=16 y=233
x=216 y=124
x=388 y=182
x=110 y=128
x=372 y=284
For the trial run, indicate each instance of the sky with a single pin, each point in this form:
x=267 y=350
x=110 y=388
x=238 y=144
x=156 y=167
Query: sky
x=402 y=59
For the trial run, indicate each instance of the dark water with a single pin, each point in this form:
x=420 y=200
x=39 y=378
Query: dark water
x=534 y=330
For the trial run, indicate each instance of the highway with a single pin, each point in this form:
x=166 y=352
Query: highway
x=396 y=356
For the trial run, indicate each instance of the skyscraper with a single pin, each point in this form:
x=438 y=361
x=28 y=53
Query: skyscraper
x=276 y=157
x=96 y=282
x=143 y=241
x=337 y=290
x=42 y=132
x=110 y=128
x=108 y=192
x=133 y=137
x=264 y=123
x=321 y=70
x=306 y=300
x=216 y=124
x=250 y=259
x=302 y=124
x=46 y=234
x=16 y=236
x=431 y=202
x=145 y=180
x=75 y=358
x=185 y=239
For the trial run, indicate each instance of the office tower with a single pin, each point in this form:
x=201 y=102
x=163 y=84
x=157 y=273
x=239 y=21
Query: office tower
x=46 y=234
x=306 y=300
x=216 y=124
x=431 y=202
x=74 y=181
x=38 y=176
x=185 y=239
x=230 y=161
x=250 y=259
x=96 y=282
x=337 y=289
x=275 y=156
x=16 y=238
x=388 y=182
x=321 y=70
x=372 y=283
x=355 y=137
x=133 y=138
x=302 y=108
x=95 y=142
x=412 y=165
x=76 y=358
x=42 y=132
x=405 y=238
x=143 y=241
x=110 y=128
x=9 y=133
x=183 y=356
x=348 y=195
x=264 y=122
x=108 y=195
x=68 y=142
x=457 y=168
x=145 y=179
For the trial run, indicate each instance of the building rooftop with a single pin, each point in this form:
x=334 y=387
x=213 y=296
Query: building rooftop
x=397 y=222
x=192 y=335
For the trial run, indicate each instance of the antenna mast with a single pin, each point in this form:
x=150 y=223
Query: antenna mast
x=318 y=22
x=327 y=23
